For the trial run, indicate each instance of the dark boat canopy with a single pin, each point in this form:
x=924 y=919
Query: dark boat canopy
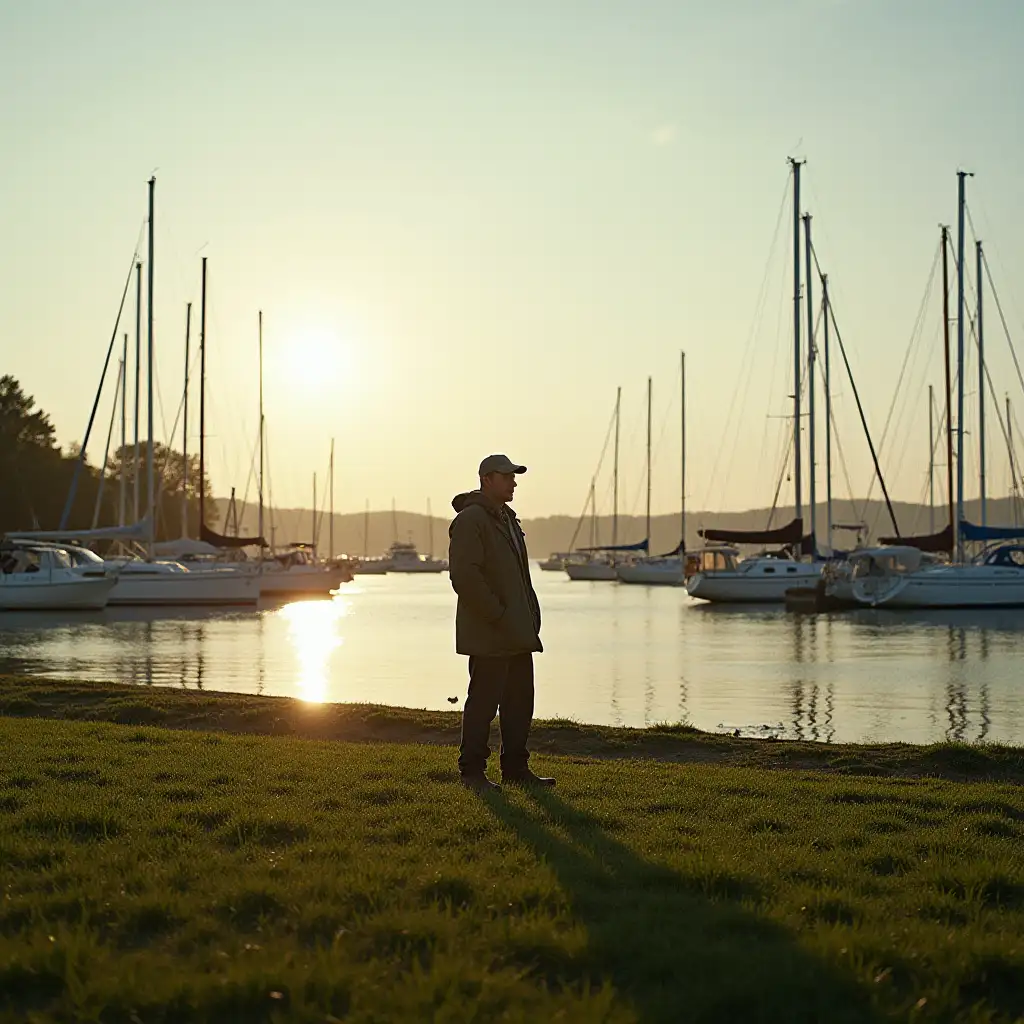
x=790 y=534
x=219 y=540
x=932 y=543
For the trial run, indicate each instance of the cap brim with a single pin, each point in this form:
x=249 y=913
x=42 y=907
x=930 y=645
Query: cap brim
x=518 y=469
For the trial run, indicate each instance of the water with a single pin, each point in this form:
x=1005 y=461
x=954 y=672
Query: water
x=616 y=655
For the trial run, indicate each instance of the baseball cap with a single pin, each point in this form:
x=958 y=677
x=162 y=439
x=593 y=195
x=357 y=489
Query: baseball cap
x=499 y=464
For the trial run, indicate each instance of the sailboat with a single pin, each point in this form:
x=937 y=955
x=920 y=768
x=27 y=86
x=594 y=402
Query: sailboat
x=669 y=569
x=766 y=578
x=599 y=562
x=996 y=580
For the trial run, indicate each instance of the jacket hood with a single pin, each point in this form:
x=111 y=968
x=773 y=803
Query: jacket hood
x=467 y=498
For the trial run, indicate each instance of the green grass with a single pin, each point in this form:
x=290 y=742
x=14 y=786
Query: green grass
x=678 y=743
x=158 y=875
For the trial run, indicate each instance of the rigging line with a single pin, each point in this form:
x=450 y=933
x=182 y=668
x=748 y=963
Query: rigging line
x=1002 y=318
x=745 y=362
x=600 y=463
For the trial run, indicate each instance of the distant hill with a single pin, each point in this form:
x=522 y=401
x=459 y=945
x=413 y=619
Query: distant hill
x=555 y=533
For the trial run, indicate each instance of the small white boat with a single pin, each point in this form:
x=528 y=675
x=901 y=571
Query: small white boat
x=596 y=568
x=721 y=576
x=668 y=571
x=555 y=562
x=403 y=557
x=43 y=578
x=895 y=578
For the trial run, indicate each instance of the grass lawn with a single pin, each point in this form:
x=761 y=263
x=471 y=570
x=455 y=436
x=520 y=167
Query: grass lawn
x=172 y=875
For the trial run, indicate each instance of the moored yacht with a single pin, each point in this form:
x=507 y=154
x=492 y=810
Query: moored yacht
x=403 y=557
x=722 y=576
x=40 y=578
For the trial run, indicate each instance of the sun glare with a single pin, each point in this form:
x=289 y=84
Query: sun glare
x=326 y=359
x=313 y=629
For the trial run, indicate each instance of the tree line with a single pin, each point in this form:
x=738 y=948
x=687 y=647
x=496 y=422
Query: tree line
x=37 y=475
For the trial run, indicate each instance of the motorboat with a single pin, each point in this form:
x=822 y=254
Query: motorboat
x=403 y=557
x=720 y=575
x=39 y=578
x=906 y=578
x=370 y=567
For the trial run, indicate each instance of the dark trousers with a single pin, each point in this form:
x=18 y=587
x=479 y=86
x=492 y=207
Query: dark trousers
x=505 y=683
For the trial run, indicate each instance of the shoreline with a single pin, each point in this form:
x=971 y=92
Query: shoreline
x=244 y=714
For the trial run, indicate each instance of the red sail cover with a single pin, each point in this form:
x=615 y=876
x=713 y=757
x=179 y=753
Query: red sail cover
x=932 y=543
x=792 y=533
x=219 y=540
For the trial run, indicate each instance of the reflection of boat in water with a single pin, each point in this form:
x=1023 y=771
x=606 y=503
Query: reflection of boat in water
x=403 y=557
x=39 y=578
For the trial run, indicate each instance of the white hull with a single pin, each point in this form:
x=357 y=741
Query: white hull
x=76 y=594
x=667 y=574
x=754 y=587
x=416 y=567
x=947 y=586
x=548 y=565
x=591 y=571
x=187 y=588
x=300 y=580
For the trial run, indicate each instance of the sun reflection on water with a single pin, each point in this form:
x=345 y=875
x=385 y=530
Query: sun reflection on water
x=313 y=630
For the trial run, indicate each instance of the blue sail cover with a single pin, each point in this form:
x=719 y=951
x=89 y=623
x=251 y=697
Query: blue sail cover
x=639 y=546
x=969 y=531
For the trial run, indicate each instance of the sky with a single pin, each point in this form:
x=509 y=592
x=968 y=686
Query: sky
x=468 y=223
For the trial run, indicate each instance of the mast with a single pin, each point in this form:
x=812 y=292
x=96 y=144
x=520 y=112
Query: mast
x=138 y=387
x=649 y=465
x=314 y=515
x=810 y=387
x=593 y=516
x=202 y=403
x=259 y=529
x=330 y=522
x=366 y=530
x=430 y=527
x=394 y=522
x=1013 y=470
x=122 y=501
x=958 y=542
x=615 y=475
x=931 y=459
x=150 y=467
x=981 y=392
x=828 y=414
x=184 y=433
x=682 y=466
x=951 y=497
x=797 y=489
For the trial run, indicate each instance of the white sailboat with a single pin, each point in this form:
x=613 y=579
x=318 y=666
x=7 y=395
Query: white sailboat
x=665 y=570
x=767 y=577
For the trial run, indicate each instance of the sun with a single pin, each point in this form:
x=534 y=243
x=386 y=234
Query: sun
x=323 y=356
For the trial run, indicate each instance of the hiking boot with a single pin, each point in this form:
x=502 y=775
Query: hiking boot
x=479 y=783
x=527 y=778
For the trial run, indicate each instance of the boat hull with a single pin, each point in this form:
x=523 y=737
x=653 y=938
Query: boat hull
x=82 y=594
x=314 y=581
x=954 y=586
x=652 y=575
x=187 y=588
x=747 y=588
x=591 y=571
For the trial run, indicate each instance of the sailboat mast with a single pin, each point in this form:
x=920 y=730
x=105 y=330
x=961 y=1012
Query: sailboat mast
x=828 y=413
x=615 y=474
x=138 y=388
x=593 y=515
x=649 y=386
x=797 y=489
x=330 y=522
x=931 y=459
x=150 y=466
x=958 y=541
x=259 y=529
x=1013 y=468
x=122 y=501
x=366 y=530
x=202 y=403
x=950 y=496
x=682 y=458
x=314 y=515
x=812 y=448
x=184 y=431
x=430 y=527
x=981 y=391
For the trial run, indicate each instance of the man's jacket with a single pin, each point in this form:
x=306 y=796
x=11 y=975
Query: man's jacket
x=498 y=612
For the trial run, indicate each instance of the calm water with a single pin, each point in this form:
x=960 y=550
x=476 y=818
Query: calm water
x=615 y=654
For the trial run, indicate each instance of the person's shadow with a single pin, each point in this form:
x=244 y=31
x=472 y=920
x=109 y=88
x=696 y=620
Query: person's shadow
x=675 y=947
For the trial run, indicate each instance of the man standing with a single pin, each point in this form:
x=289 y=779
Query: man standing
x=497 y=625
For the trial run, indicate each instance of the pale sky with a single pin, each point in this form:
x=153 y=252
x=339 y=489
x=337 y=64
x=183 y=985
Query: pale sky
x=468 y=222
